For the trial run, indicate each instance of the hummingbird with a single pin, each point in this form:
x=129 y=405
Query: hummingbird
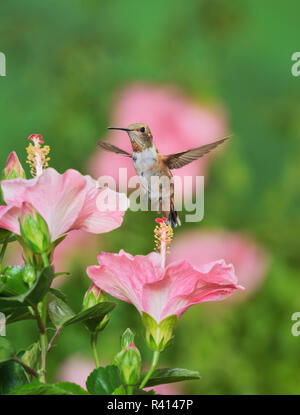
x=149 y=162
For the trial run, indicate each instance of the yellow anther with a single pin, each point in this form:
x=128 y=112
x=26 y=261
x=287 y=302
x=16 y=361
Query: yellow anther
x=37 y=155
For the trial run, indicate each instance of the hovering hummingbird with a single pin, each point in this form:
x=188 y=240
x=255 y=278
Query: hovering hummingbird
x=149 y=162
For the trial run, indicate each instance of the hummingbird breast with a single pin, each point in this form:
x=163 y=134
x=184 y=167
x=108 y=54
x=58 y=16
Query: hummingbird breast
x=145 y=161
x=148 y=164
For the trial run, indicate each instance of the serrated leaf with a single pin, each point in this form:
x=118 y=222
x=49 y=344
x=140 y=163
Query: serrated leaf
x=7 y=351
x=103 y=380
x=93 y=315
x=166 y=375
x=59 y=311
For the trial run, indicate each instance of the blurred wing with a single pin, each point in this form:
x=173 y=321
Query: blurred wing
x=112 y=148
x=177 y=160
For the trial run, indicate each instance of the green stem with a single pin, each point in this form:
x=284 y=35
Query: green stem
x=151 y=370
x=130 y=390
x=26 y=367
x=4 y=246
x=43 y=335
x=94 y=337
x=57 y=331
x=45 y=259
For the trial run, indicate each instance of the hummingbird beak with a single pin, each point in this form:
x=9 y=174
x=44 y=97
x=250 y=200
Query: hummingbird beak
x=118 y=128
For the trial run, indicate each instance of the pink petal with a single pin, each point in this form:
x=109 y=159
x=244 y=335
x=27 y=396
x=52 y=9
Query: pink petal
x=57 y=197
x=96 y=220
x=189 y=285
x=184 y=285
x=9 y=218
x=123 y=275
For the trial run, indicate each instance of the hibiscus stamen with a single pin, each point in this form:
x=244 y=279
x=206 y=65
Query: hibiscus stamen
x=37 y=155
x=163 y=235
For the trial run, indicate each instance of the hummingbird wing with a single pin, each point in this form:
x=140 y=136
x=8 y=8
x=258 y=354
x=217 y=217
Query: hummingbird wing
x=112 y=148
x=178 y=160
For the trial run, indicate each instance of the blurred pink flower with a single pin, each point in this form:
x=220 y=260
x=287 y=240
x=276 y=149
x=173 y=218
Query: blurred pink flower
x=249 y=259
x=75 y=369
x=77 y=250
x=66 y=201
x=177 y=123
x=158 y=291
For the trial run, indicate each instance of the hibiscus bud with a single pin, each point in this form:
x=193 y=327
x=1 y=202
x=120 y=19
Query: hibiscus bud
x=92 y=297
x=34 y=229
x=13 y=168
x=29 y=275
x=127 y=338
x=129 y=361
x=159 y=336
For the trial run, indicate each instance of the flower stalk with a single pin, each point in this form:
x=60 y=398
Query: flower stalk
x=94 y=337
x=43 y=335
x=154 y=362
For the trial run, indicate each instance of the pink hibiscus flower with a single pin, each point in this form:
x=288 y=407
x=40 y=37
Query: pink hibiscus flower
x=159 y=292
x=66 y=201
x=142 y=281
x=176 y=122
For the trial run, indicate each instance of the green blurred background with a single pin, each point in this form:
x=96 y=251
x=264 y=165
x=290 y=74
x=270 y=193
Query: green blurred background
x=65 y=61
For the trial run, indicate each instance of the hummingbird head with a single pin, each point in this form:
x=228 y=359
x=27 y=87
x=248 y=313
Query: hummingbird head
x=139 y=134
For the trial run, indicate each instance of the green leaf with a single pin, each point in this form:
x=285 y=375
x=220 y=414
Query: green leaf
x=92 y=316
x=12 y=376
x=59 y=274
x=4 y=234
x=12 y=279
x=73 y=388
x=103 y=380
x=7 y=351
x=58 y=309
x=61 y=388
x=119 y=391
x=58 y=240
x=163 y=376
x=34 y=294
x=31 y=356
x=41 y=286
x=18 y=314
x=138 y=391
x=58 y=293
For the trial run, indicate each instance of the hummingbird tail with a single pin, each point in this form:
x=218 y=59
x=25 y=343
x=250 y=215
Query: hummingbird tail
x=173 y=219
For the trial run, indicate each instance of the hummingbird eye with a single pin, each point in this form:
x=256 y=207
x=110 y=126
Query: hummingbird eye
x=142 y=130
